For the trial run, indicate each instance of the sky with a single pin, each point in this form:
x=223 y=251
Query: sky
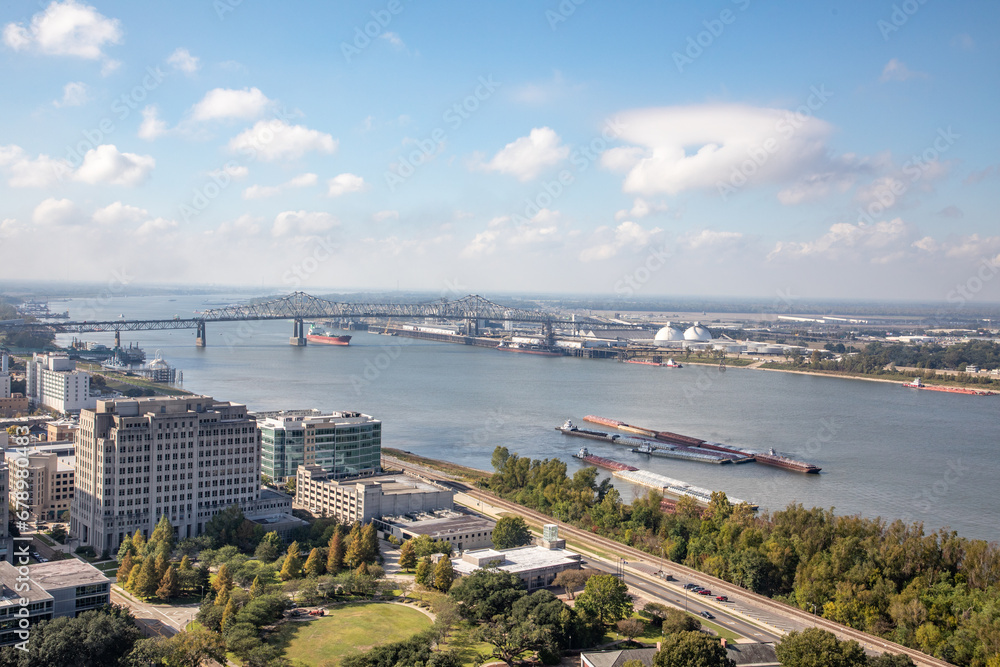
x=828 y=149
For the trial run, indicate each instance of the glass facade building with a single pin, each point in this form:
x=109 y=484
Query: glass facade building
x=344 y=444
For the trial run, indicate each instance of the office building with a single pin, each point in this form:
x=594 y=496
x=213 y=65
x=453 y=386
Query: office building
x=53 y=382
x=535 y=566
x=367 y=498
x=49 y=477
x=344 y=444
x=460 y=529
x=186 y=457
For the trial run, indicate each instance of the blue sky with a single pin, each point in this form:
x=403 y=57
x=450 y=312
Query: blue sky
x=822 y=149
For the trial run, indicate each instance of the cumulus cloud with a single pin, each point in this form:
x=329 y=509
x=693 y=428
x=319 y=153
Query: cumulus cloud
x=382 y=216
x=896 y=70
x=277 y=140
x=151 y=126
x=54 y=212
x=878 y=243
x=106 y=164
x=640 y=209
x=227 y=103
x=26 y=172
x=230 y=170
x=243 y=226
x=156 y=226
x=394 y=39
x=182 y=60
x=65 y=28
x=262 y=191
x=543 y=227
x=712 y=146
x=74 y=95
x=627 y=235
x=527 y=156
x=118 y=213
x=343 y=184
x=708 y=238
x=302 y=223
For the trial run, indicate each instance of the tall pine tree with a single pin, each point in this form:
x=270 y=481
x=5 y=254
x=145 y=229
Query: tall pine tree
x=314 y=566
x=407 y=555
x=168 y=585
x=292 y=567
x=335 y=554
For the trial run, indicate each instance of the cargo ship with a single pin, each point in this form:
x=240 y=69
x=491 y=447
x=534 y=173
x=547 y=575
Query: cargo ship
x=530 y=348
x=918 y=384
x=769 y=458
x=322 y=336
x=600 y=461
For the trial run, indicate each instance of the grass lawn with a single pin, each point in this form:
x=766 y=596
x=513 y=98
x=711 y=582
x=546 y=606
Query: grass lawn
x=346 y=630
x=45 y=539
x=653 y=634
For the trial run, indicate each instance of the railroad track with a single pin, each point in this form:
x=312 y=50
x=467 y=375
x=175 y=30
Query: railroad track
x=717 y=585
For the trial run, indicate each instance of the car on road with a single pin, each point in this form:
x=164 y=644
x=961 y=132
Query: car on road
x=690 y=586
x=722 y=598
x=704 y=591
x=706 y=614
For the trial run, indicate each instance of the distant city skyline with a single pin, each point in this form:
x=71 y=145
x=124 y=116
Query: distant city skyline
x=732 y=148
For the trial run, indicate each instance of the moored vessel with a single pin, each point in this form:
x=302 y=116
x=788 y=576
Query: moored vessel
x=322 y=336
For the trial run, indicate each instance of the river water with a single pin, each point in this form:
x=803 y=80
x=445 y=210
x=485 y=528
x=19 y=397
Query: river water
x=885 y=451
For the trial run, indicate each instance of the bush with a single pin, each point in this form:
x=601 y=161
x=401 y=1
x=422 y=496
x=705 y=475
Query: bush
x=86 y=552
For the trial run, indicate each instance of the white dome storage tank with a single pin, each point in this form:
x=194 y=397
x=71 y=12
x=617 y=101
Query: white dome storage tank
x=668 y=334
x=697 y=332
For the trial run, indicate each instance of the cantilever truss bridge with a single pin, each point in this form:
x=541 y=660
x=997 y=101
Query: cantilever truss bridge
x=299 y=306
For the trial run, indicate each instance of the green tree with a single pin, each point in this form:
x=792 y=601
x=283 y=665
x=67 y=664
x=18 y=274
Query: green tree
x=605 y=597
x=139 y=543
x=162 y=564
x=369 y=536
x=814 y=647
x=676 y=620
x=168 y=585
x=571 y=580
x=487 y=592
x=146 y=582
x=692 y=649
x=407 y=556
x=355 y=555
x=163 y=537
x=102 y=637
x=292 y=567
x=227 y=614
x=335 y=553
x=424 y=571
x=126 y=547
x=901 y=660
x=315 y=566
x=510 y=532
x=269 y=548
x=257 y=588
x=511 y=639
x=444 y=575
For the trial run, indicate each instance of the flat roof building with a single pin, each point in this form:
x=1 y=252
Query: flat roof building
x=463 y=531
x=344 y=444
x=54 y=382
x=535 y=566
x=367 y=498
x=49 y=473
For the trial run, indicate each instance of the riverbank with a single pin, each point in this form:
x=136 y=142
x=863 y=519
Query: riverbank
x=898 y=378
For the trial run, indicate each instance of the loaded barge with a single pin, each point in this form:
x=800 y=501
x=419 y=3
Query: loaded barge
x=643 y=446
x=688 y=443
x=601 y=462
x=918 y=384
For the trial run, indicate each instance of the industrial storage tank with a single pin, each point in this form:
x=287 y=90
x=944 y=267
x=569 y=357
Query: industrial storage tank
x=698 y=333
x=667 y=335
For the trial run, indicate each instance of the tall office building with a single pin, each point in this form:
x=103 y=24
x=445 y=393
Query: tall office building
x=343 y=444
x=187 y=457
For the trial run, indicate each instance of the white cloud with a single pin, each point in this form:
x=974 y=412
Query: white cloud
x=963 y=41
x=527 y=156
x=382 y=216
x=628 y=235
x=343 y=184
x=708 y=238
x=74 y=95
x=394 y=39
x=241 y=227
x=223 y=103
x=541 y=228
x=181 y=59
x=151 y=126
x=106 y=164
x=302 y=223
x=262 y=191
x=65 y=29
x=109 y=66
x=877 y=243
x=640 y=209
x=54 y=212
x=118 y=213
x=711 y=146
x=25 y=172
x=276 y=140
x=896 y=70
x=156 y=226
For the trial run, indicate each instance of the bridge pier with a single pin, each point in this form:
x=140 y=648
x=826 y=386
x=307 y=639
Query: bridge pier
x=298 y=338
x=118 y=338
x=199 y=336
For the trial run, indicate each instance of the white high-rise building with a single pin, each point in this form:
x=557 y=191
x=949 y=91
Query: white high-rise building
x=4 y=376
x=54 y=382
x=187 y=457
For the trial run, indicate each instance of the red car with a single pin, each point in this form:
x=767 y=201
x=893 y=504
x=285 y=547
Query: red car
x=722 y=598
x=704 y=591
